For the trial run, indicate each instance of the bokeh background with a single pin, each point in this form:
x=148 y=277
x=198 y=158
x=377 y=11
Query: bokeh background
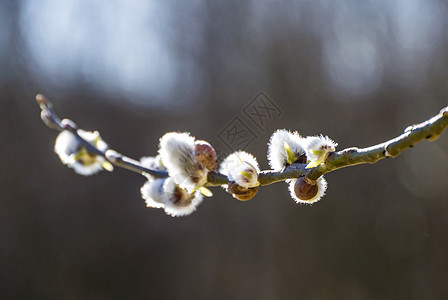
x=358 y=71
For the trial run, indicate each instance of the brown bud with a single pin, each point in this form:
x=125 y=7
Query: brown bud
x=305 y=189
x=205 y=154
x=241 y=193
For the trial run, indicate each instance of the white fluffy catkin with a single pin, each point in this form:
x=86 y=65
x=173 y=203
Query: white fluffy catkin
x=277 y=156
x=179 y=202
x=164 y=193
x=318 y=147
x=241 y=167
x=71 y=152
x=177 y=151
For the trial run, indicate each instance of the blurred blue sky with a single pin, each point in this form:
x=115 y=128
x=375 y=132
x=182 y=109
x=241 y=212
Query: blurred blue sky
x=150 y=51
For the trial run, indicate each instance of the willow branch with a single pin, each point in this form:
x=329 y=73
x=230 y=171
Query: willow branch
x=428 y=130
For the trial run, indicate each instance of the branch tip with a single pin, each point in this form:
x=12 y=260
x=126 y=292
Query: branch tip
x=43 y=101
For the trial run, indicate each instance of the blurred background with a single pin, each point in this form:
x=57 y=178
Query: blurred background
x=358 y=71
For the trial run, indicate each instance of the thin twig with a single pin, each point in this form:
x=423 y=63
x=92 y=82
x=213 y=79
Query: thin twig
x=50 y=119
x=429 y=130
